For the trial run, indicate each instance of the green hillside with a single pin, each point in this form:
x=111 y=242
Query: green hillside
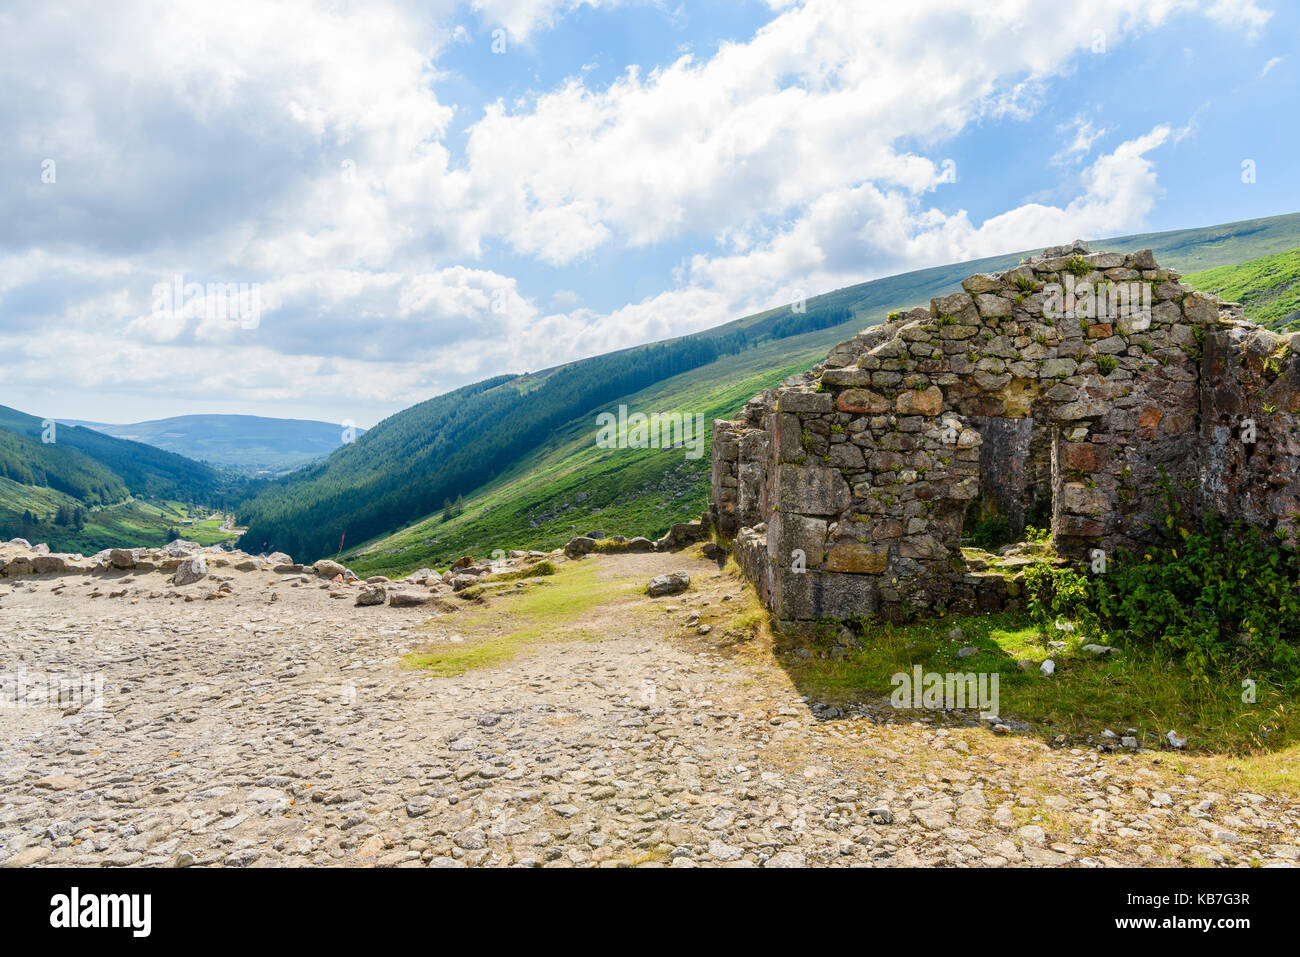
x=28 y=461
x=143 y=469
x=1269 y=288
x=571 y=486
x=501 y=448
x=63 y=523
x=439 y=450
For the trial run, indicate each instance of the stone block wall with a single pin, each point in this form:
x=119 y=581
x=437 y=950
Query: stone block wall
x=847 y=488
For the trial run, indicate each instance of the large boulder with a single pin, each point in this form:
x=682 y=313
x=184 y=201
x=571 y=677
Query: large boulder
x=328 y=569
x=582 y=545
x=49 y=564
x=191 y=570
x=682 y=534
x=122 y=558
x=179 y=548
x=669 y=584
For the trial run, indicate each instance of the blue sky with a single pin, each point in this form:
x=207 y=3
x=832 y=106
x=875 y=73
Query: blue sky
x=426 y=194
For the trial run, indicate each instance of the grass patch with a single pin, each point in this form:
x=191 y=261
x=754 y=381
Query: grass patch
x=541 y=569
x=548 y=610
x=1275 y=772
x=1085 y=696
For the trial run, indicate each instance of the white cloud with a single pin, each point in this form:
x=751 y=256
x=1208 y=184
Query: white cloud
x=1084 y=134
x=1245 y=15
x=816 y=101
x=304 y=146
x=852 y=226
x=1267 y=68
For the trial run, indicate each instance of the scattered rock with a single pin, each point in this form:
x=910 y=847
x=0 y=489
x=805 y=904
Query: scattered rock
x=191 y=570
x=409 y=599
x=577 y=547
x=669 y=584
x=28 y=856
x=329 y=569
x=1099 y=650
x=57 y=782
x=371 y=595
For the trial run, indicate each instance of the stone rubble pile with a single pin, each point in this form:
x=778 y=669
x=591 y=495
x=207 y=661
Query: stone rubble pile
x=188 y=563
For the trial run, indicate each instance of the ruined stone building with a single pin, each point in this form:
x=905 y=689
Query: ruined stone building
x=1086 y=390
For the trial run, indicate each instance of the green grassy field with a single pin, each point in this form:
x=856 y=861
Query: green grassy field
x=569 y=486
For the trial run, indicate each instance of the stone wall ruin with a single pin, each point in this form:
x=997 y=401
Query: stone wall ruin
x=1056 y=388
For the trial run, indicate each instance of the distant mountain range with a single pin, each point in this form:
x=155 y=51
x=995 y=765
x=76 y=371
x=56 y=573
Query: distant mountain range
x=520 y=450
x=248 y=444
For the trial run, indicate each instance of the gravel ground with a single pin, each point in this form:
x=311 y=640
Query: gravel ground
x=243 y=731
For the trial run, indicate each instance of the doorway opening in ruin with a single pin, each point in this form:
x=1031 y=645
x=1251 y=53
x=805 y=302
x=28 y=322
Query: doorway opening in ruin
x=983 y=526
x=1014 y=503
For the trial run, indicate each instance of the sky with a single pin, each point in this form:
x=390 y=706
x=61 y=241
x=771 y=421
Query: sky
x=334 y=210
